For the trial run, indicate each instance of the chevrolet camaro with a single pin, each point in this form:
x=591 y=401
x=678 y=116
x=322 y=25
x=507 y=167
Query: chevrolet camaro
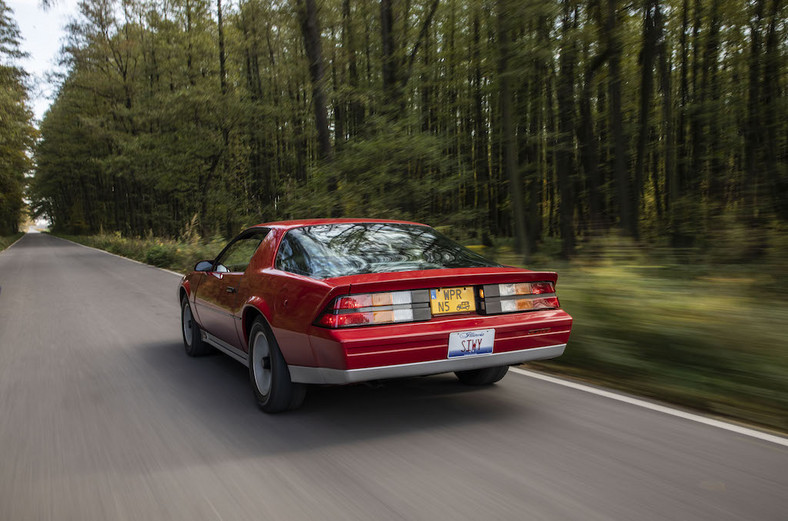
x=339 y=301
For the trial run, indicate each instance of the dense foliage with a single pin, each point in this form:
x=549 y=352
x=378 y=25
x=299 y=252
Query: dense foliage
x=502 y=118
x=16 y=129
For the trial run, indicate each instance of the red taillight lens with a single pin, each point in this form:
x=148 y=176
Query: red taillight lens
x=376 y=309
x=355 y=302
x=537 y=288
x=344 y=320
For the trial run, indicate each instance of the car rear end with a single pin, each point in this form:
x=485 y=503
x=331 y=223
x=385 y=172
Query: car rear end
x=389 y=325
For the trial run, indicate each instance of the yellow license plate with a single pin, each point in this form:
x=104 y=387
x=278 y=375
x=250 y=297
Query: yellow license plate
x=452 y=300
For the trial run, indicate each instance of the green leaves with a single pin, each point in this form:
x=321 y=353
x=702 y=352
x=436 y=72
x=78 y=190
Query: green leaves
x=16 y=129
x=143 y=135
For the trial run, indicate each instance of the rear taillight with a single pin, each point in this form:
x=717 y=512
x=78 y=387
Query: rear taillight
x=376 y=309
x=521 y=296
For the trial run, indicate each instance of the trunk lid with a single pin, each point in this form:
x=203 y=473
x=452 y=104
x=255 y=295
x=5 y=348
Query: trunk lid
x=439 y=278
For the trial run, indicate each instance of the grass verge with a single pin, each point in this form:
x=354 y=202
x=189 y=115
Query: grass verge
x=165 y=253
x=714 y=344
x=711 y=338
x=8 y=240
x=708 y=337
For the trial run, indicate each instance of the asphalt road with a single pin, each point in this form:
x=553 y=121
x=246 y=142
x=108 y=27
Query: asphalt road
x=103 y=417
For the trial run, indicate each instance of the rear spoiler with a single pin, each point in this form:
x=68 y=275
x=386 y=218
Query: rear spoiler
x=427 y=279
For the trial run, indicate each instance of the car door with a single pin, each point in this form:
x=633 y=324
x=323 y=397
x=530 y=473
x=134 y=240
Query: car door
x=217 y=301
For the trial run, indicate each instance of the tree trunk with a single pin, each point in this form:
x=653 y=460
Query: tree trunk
x=587 y=140
x=627 y=198
x=481 y=160
x=647 y=55
x=356 y=116
x=775 y=116
x=671 y=192
x=753 y=125
x=710 y=117
x=566 y=129
x=222 y=56
x=307 y=11
x=389 y=70
x=507 y=129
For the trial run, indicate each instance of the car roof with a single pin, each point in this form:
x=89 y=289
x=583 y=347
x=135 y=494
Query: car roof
x=287 y=225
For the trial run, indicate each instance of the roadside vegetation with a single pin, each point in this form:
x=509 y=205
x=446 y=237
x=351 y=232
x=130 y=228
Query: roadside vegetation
x=177 y=255
x=712 y=337
x=700 y=330
x=531 y=120
x=8 y=240
x=637 y=148
x=17 y=134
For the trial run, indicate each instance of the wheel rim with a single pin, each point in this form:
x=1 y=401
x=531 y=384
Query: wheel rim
x=188 y=324
x=261 y=363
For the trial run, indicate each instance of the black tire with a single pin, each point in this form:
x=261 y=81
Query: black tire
x=487 y=376
x=192 y=336
x=269 y=374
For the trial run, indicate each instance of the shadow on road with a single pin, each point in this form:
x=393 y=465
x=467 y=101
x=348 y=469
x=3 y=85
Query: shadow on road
x=216 y=391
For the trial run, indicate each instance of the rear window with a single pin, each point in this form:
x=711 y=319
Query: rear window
x=335 y=250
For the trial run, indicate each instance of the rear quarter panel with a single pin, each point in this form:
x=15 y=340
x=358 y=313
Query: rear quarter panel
x=289 y=302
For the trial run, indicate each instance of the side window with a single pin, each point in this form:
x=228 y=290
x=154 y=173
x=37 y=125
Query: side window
x=238 y=255
x=291 y=257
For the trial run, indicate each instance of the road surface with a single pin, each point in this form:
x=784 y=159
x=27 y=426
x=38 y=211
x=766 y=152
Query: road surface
x=103 y=417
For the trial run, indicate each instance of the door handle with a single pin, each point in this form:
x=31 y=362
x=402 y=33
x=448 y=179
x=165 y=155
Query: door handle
x=231 y=289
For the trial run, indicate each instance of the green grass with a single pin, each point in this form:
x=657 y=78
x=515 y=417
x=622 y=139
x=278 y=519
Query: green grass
x=716 y=345
x=179 y=256
x=713 y=338
x=708 y=337
x=8 y=240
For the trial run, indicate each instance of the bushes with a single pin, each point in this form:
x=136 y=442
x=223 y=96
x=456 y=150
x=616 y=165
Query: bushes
x=161 y=255
x=175 y=255
x=708 y=336
x=8 y=240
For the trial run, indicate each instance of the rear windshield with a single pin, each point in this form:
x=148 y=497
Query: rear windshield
x=335 y=250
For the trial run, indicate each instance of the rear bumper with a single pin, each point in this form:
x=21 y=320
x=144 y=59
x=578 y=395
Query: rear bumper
x=323 y=375
x=422 y=342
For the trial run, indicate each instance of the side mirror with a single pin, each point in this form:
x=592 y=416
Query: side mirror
x=203 y=265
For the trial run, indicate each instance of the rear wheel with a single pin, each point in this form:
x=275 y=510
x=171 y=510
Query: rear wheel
x=192 y=336
x=269 y=374
x=486 y=376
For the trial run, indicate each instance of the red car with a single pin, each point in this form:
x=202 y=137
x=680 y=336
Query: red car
x=338 y=301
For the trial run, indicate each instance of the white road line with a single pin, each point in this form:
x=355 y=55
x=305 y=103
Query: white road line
x=656 y=407
x=119 y=256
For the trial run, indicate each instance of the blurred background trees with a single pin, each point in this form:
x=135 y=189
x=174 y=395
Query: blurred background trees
x=505 y=119
x=16 y=128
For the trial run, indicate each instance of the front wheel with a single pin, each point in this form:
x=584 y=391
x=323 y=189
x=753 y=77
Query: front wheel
x=268 y=373
x=486 y=376
x=192 y=336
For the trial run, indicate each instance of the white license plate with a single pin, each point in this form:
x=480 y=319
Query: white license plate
x=469 y=343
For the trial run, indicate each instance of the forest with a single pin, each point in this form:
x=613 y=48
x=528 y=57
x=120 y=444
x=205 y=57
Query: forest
x=646 y=143
x=17 y=133
x=500 y=119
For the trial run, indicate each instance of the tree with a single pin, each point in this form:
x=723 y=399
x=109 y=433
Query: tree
x=497 y=119
x=16 y=129
x=566 y=129
x=307 y=13
x=509 y=146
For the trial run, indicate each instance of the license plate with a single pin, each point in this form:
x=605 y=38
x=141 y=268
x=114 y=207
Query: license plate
x=452 y=300
x=469 y=343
